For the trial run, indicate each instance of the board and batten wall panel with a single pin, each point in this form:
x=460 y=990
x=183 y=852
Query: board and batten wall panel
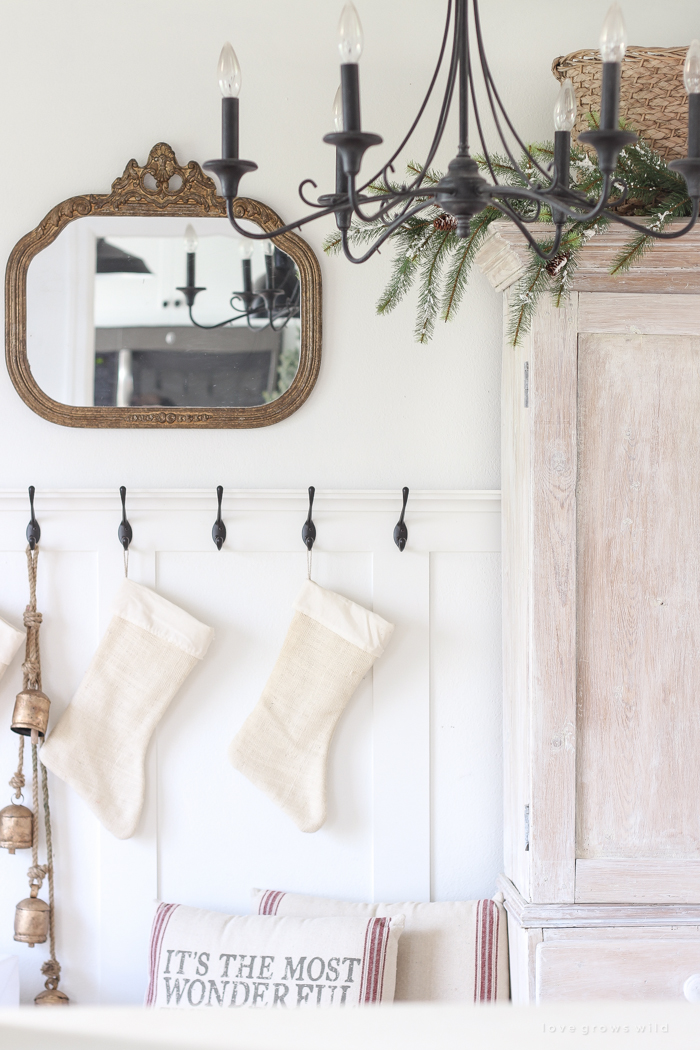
x=414 y=787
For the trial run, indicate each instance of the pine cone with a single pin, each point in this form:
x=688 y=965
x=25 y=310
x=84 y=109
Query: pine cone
x=556 y=264
x=444 y=222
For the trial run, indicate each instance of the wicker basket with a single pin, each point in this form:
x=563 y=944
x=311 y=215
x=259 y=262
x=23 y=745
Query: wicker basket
x=652 y=96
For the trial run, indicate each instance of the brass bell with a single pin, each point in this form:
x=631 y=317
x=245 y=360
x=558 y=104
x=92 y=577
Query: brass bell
x=31 y=713
x=16 y=828
x=32 y=919
x=51 y=997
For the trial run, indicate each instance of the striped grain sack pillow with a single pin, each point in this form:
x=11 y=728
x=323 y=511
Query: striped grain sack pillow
x=450 y=951
x=208 y=959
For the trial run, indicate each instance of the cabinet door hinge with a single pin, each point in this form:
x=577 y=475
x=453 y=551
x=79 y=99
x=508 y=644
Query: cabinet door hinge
x=527 y=828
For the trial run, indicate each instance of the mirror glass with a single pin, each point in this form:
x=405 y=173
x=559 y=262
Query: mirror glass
x=109 y=324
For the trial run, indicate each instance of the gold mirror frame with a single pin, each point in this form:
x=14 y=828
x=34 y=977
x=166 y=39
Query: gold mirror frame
x=133 y=195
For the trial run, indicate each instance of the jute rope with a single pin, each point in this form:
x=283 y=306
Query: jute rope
x=31 y=672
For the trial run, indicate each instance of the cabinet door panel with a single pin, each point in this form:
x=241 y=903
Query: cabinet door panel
x=638 y=597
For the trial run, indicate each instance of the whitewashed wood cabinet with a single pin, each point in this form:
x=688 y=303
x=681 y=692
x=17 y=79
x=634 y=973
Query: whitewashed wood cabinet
x=601 y=617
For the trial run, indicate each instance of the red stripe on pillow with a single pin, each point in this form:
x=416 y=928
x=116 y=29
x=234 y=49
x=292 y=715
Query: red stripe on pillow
x=486 y=952
x=270 y=902
x=373 y=960
x=160 y=923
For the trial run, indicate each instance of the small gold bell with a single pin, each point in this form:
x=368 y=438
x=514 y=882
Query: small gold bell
x=32 y=919
x=16 y=826
x=51 y=997
x=31 y=713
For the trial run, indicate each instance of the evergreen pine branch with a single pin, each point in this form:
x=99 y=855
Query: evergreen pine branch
x=528 y=292
x=464 y=255
x=405 y=268
x=428 y=300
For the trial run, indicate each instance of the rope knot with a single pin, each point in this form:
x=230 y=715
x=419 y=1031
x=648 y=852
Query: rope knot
x=51 y=969
x=37 y=874
x=31 y=671
x=32 y=618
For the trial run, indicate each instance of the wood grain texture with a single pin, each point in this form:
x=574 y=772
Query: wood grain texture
x=673 y=266
x=595 y=916
x=515 y=544
x=553 y=603
x=522 y=945
x=606 y=969
x=638 y=880
x=638 y=596
x=635 y=314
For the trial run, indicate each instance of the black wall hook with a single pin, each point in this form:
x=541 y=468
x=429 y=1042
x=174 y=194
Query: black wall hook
x=308 y=533
x=33 y=530
x=218 y=530
x=125 y=532
x=400 y=530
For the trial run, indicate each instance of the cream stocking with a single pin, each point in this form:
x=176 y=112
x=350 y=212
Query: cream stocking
x=99 y=745
x=283 y=745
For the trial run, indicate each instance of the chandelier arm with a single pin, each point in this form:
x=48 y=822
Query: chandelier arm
x=221 y=324
x=658 y=234
x=491 y=86
x=271 y=234
x=522 y=193
x=300 y=191
x=380 y=240
x=408 y=195
x=556 y=244
x=444 y=109
x=477 y=120
x=382 y=173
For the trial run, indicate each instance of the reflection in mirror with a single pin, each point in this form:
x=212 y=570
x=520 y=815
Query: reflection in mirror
x=166 y=311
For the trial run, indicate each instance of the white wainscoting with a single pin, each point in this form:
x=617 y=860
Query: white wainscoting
x=414 y=807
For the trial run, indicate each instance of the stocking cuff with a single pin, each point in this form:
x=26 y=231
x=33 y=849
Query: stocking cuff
x=352 y=622
x=10 y=641
x=146 y=609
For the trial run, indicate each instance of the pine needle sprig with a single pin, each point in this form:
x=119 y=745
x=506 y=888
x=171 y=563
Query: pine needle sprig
x=430 y=272
x=464 y=253
x=528 y=291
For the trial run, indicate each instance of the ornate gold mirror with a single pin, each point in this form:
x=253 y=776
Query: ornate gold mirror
x=144 y=308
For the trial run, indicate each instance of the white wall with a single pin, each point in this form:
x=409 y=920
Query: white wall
x=88 y=84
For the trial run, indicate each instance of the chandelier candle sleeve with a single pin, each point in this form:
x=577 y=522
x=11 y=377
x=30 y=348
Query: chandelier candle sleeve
x=269 y=264
x=230 y=84
x=564 y=120
x=246 y=266
x=190 y=248
x=350 y=43
x=691 y=80
x=613 y=45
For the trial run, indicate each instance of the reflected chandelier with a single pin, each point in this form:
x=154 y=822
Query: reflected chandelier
x=462 y=192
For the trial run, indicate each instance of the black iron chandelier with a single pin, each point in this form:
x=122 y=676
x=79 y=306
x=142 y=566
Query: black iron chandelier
x=462 y=192
x=273 y=300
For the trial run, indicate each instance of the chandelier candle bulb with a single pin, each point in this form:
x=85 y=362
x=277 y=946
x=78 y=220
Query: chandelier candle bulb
x=338 y=110
x=565 y=108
